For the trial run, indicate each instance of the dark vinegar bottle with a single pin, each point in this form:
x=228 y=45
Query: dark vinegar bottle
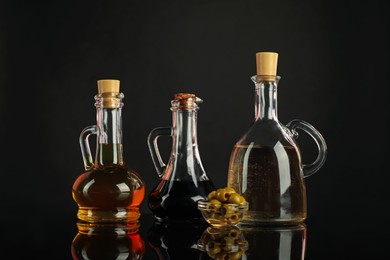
x=183 y=181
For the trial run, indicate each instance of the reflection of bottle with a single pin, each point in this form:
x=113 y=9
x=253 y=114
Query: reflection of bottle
x=109 y=190
x=274 y=243
x=107 y=241
x=175 y=241
x=183 y=181
x=265 y=164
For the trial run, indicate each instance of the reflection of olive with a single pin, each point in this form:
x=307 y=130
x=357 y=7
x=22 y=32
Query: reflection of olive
x=236 y=198
x=222 y=195
x=234 y=233
x=213 y=250
x=214 y=233
x=210 y=254
x=235 y=255
x=215 y=237
x=243 y=244
x=227 y=244
x=221 y=256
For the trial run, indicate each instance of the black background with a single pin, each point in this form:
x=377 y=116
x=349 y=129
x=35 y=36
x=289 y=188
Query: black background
x=333 y=60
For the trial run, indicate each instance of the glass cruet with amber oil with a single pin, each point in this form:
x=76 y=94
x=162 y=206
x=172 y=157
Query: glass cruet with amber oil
x=265 y=164
x=183 y=181
x=108 y=190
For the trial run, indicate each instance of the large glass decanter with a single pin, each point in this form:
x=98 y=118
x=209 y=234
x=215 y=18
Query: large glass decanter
x=183 y=181
x=265 y=164
x=108 y=190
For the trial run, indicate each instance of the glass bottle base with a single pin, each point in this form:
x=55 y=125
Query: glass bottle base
x=117 y=228
x=261 y=219
x=94 y=215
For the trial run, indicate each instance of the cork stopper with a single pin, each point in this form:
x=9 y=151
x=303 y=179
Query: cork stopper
x=266 y=65
x=186 y=101
x=108 y=85
x=109 y=96
x=184 y=96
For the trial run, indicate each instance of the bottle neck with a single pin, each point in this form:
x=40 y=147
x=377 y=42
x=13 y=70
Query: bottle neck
x=109 y=141
x=185 y=154
x=185 y=140
x=266 y=100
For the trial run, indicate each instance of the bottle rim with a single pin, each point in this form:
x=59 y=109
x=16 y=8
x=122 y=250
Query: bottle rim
x=265 y=78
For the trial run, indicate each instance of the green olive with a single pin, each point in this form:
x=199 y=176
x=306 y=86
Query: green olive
x=234 y=218
x=227 y=210
x=218 y=215
x=230 y=190
x=222 y=195
x=211 y=195
x=236 y=198
x=214 y=204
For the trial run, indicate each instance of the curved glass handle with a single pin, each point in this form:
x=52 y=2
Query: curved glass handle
x=153 y=147
x=84 y=145
x=310 y=169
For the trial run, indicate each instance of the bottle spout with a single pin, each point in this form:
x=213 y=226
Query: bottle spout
x=198 y=100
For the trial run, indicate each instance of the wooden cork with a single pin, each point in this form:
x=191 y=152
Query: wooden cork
x=108 y=85
x=108 y=90
x=266 y=65
x=186 y=101
x=184 y=96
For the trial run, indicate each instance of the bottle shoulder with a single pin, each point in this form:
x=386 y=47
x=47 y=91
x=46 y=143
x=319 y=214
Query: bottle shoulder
x=266 y=133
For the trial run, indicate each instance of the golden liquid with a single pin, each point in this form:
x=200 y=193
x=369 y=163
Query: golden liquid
x=109 y=194
x=270 y=180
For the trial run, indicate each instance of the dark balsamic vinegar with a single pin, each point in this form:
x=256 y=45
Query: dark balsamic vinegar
x=176 y=201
